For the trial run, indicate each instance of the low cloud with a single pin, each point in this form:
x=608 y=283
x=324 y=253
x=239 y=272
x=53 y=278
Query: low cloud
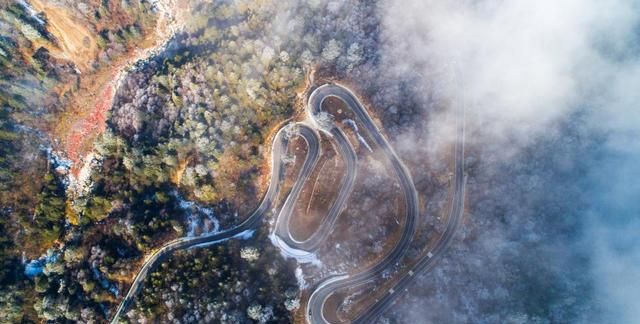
x=524 y=64
x=542 y=75
x=613 y=187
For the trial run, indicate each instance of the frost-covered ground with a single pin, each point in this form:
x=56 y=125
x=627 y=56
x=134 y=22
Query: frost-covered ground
x=199 y=220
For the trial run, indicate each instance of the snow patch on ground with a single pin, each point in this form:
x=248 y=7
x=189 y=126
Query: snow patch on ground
x=300 y=256
x=245 y=235
x=323 y=120
x=200 y=220
x=300 y=277
x=82 y=185
x=35 y=267
x=354 y=126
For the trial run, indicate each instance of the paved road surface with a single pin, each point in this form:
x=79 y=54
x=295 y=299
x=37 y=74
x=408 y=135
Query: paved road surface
x=307 y=246
x=316 y=304
x=279 y=148
x=322 y=121
x=427 y=262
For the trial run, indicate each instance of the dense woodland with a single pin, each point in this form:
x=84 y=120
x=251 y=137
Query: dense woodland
x=236 y=282
x=185 y=144
x=38 y=217
x=188 y=123
x=34 y=87
x=188 y=126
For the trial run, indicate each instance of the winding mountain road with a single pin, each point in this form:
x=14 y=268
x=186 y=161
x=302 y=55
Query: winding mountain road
x=300 y=248
x=316 y=304
x=320 y=120
x=279 y=148
x=426 y=262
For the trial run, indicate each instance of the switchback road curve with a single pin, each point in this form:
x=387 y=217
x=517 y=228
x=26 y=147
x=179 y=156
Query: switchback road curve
x=320 y=120
x=315 y=306
x=285 y=240
x=427 y=262
x=279 y=148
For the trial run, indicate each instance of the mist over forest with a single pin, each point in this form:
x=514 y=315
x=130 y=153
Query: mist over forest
x=156 y=123
x=553 y=149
